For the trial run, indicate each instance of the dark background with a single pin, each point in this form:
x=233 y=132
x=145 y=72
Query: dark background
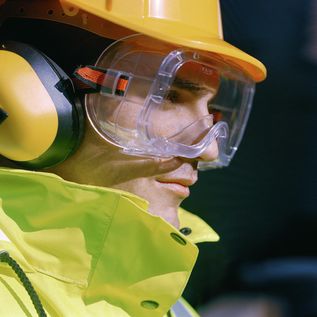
x=264 y=205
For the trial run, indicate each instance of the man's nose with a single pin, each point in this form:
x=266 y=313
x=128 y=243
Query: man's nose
x=211 y=152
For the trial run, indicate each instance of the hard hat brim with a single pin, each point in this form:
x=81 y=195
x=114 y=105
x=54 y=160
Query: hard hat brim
x=253 y=67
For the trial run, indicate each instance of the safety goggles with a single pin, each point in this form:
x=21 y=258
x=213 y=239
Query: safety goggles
x=154 y=99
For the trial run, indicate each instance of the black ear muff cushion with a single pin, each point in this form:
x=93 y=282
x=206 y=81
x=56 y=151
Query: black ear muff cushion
x=68 y=108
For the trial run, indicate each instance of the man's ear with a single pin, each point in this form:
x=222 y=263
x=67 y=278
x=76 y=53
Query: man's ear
x=43 y=122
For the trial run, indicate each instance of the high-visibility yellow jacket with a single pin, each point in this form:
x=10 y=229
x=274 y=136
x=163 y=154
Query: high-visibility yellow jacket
x=91 y=251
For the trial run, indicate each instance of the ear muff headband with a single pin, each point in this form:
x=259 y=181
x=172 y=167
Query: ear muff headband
x=44 y=122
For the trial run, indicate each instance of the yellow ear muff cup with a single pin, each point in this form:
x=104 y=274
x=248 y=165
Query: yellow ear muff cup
x=43 y=121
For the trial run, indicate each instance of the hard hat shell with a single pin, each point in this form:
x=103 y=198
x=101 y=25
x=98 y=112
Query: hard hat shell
x=183 y=22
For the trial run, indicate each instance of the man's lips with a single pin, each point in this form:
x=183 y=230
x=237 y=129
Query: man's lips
x=179 y=185
x=181 y=181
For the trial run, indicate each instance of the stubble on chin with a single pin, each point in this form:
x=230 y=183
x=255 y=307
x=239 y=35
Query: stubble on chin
x=169 y=215
x=164 y=204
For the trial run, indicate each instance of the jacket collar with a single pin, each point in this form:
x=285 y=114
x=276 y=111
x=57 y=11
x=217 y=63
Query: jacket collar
x=195 y=228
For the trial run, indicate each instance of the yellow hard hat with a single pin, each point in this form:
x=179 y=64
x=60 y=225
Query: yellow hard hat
x=183 y=22
x=193 y=24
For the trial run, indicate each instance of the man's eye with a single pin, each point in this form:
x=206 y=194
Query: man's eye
x=173 y=96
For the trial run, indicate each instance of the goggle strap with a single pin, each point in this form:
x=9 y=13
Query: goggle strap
x=82 y=87
x=91 y=79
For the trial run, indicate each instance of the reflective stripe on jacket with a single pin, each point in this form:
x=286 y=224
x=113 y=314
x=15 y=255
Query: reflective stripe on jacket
x=91 y=251
x=182 y=309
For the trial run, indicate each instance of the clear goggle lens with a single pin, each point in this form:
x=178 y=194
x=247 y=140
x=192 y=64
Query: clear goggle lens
x=172 y=102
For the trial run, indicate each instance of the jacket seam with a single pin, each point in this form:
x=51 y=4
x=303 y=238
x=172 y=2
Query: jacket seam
x=59 y=277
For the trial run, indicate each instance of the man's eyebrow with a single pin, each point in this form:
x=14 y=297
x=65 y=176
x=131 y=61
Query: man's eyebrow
x=189 y=85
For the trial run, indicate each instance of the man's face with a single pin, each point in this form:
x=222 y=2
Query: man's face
x=164 y=183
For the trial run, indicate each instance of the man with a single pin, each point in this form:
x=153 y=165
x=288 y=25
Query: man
x=158 y=106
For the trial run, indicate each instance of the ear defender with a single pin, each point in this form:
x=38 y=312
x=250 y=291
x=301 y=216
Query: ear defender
x=41 y=119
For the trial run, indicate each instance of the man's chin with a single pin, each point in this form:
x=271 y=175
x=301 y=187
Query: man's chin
x=169 y=214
